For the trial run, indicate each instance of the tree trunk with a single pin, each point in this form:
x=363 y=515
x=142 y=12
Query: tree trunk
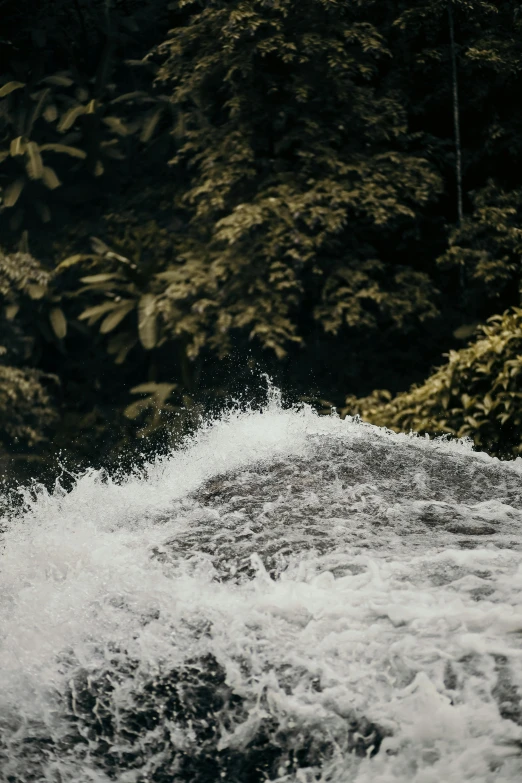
x=456 y=115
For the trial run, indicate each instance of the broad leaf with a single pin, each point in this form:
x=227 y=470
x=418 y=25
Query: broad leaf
x=70 y=117
x=11 y=311
x=37 y=109
x=10 y=87
x=17 y=146
x=58 y=322
x=118 y=314
x=103 y=277
x=130 y=96
x=118 y=126
x=36 y=291
x=12 y=192
x=125 y=350
x=58 y=80
x=50 y=178
x=96 y=312
x=73 y=260
x=50 y=113
x=133 y=410
x=149 y=126
x=34 y=163
x=99 y=246
x=147 y=321
x=74 y=152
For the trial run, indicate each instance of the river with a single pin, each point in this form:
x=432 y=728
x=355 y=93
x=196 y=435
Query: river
x=286 y=597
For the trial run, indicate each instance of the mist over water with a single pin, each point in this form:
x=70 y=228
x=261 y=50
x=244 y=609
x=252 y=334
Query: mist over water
x=287 y=597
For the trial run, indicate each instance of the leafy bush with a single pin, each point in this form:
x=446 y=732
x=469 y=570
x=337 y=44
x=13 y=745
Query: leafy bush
x=26 y=408
x=477 y=394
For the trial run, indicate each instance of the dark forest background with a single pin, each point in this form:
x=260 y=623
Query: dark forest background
x=195 y=192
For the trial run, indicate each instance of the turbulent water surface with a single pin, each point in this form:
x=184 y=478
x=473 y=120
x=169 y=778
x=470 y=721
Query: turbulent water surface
x=288 y=598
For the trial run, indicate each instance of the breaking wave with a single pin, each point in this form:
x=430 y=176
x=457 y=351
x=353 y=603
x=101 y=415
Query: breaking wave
x=287 y=597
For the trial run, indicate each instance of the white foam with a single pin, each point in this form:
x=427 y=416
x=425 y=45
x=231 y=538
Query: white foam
x=77 y=579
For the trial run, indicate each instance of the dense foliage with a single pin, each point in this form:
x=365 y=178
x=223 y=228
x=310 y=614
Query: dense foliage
x=324 y=189
x=476 y=394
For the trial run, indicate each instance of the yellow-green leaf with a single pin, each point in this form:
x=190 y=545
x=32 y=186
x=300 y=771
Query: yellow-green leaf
x=147 y=321
x=118 y=126
x=103 y=277
x=58 y=322
x=133 y=410
x=11 y=311
x=58 y=80
x=34 y=163
x=149 y=126
x=50 y=178
x=72 y=260
x=74 y=152
x=12 y=192
x=10 y=87
x=42 y=97
x=36 y=291
x=118 y=314
x=124 y=350
x=50 y=113
x=93 y=313
x=17 y=146
x=70 y=117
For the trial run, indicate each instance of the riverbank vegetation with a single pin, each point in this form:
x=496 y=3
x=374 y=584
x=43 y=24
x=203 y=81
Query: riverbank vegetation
x=195 y=192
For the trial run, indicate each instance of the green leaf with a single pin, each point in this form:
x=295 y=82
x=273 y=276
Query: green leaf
x=11 y=311
x=99 y=246
x=96 y=312
x=117 y=315
x=125 y=350
x=70 y=117
x=12 y=192
x=50 y=113
x=103 y=277
x=3 y=155
x=50 y=178
x=58 y=80
x=36 y=291
x=118 y=126
x=74 y=152
x=133 y=410
x=72 y=260
x=58 y=322
x=37 y=109
x=149 y=126
x=10 y=87
x=147 y=321
x=159 y=390
x=34 y=163
x=17 y=146
x=130 y=96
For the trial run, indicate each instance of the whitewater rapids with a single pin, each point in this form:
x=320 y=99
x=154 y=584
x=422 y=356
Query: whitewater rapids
x=287 y=597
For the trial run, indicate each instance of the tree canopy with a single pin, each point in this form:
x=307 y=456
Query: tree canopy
x=328 y=190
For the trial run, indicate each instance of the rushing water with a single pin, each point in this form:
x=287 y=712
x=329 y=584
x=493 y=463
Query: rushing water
x=288 y=598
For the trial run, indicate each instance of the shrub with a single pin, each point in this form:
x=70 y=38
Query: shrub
x=477 y=393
